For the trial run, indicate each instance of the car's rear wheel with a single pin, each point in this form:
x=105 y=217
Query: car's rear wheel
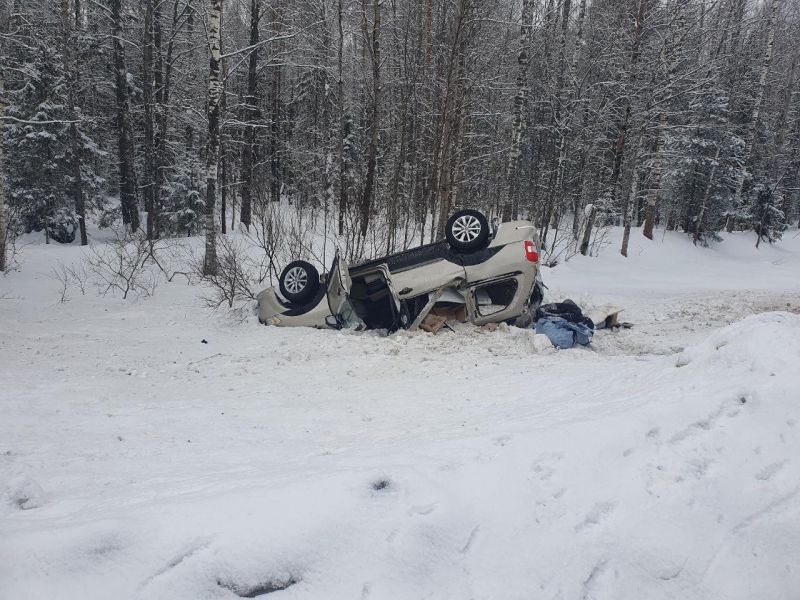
x=299 y=281
x=467 y=230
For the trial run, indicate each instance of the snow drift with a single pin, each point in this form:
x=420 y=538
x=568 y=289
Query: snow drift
x=138 y=463
x=676 y=482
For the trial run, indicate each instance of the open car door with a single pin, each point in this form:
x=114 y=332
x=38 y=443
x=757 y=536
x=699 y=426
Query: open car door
x=339 y=283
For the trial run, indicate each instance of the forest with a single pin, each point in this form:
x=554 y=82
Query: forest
x=370 y=121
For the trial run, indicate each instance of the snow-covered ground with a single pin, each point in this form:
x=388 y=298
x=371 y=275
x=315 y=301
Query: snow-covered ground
x=138 y=462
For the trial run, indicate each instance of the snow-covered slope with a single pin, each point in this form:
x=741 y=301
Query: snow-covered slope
x=138 y=462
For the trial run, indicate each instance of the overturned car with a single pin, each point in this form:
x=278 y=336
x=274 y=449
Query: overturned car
x=492 y=269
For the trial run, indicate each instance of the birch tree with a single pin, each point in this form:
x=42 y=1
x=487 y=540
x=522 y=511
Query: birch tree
x=215 y=91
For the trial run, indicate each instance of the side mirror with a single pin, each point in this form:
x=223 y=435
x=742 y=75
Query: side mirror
x=332 y=321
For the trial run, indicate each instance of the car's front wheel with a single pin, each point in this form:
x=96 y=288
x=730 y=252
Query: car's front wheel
x=299 y=281
x=467 y=230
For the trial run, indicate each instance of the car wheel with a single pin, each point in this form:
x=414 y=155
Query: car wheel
x=467 y=231
x=299 y=281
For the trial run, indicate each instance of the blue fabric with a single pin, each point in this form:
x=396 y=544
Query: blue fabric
x=562 y=333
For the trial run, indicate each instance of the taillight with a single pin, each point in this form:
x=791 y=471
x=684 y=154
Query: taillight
x=530 y=251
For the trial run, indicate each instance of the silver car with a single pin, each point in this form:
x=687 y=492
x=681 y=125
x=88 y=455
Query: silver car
x=491 y=270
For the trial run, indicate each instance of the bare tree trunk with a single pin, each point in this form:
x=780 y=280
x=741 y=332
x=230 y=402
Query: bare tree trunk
x=655 y=185
x=215 y=91
x=70 y=58
x=446 y=192
x=327 y=133
x=127 y=172
x=587 y=231
x=372 y=152
x=447 y=188
x=568 y=107
x=251 y=110
x=519 y=109
x=343 y=126
x=698 y=228
x=149 y=119
x=631 y=201
x=223 y=186
x=671 y=58
x=756 y=112
x=561 y=114
x=789 y=173
x=276 y=130
x=3 y=217
x=445 y=134
x=163 y=84
x=222 y=183
x=637 y=38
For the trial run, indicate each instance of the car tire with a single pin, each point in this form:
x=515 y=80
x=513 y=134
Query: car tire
x=467 y=231
x=299 y=281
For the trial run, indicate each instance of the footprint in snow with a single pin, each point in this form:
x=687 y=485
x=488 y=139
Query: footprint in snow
x=597 y=515
x=769 y=471
x=261 y=589
x=422 y=509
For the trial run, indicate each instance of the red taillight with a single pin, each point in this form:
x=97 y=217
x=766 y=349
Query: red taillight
x=530 y=252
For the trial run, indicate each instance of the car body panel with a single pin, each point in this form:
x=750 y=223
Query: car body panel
x=427 y=277
x=509 y=253
x=509 y=264
x=273 y=311
x=339 y=283
x=480 y=314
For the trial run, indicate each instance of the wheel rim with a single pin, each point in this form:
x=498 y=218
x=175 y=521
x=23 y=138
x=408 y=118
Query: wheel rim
x=466 y=228
x=296 y=280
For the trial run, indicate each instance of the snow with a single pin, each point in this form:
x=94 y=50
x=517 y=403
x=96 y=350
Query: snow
x=138 y=462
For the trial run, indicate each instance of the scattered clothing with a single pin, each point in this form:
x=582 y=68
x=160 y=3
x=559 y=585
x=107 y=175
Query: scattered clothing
x=563 y=334
x=564 y=324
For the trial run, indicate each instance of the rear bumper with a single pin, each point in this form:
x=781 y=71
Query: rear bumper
x=272 y=311
x=269 y=306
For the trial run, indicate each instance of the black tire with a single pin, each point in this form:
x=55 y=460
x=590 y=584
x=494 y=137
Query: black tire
x=467 y=231
x=299 y=281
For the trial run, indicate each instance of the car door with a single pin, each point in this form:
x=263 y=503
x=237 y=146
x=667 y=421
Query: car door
x=339 y=283
x=493 y=301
